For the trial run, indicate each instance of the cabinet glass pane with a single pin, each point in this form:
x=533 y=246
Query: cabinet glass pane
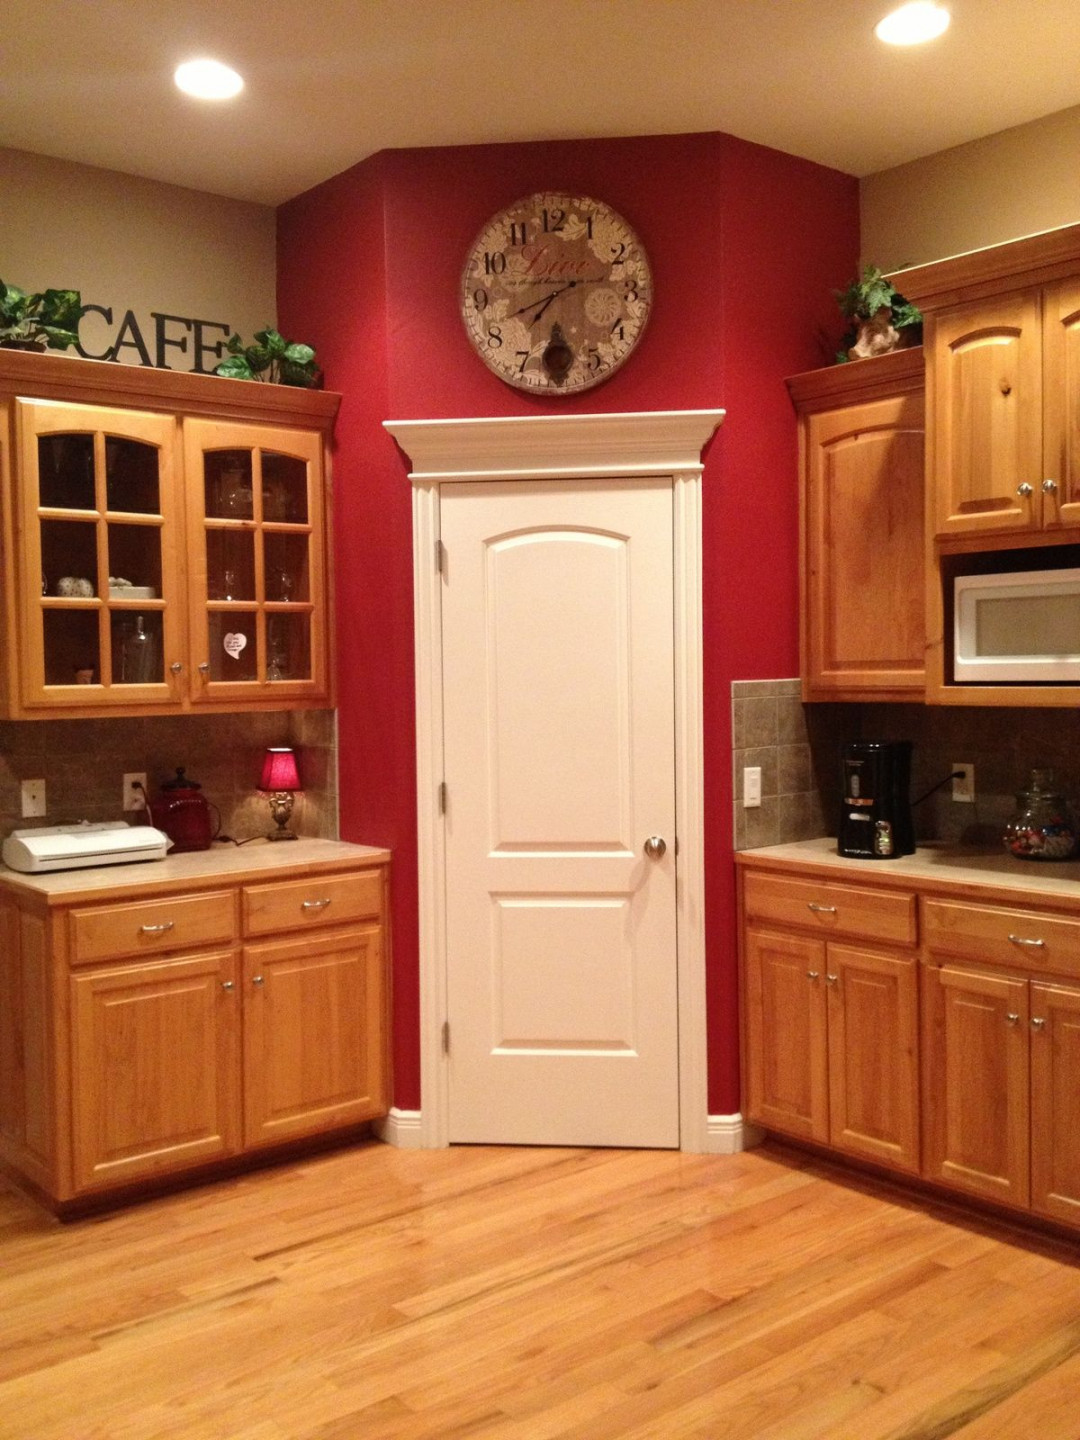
x=137 y=655
x=228 y=484
x=69 y=558
x=232 y=645
x=230 y=564
x=131 y=476
x=284 y=488
x=135 y=558
x=288 y=646
x=285 y=571
x=66 y=471
x=71 y=647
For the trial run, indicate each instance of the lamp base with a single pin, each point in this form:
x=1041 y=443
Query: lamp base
x=281 y=804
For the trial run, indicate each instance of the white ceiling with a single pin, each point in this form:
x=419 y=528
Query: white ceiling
x=331 y=81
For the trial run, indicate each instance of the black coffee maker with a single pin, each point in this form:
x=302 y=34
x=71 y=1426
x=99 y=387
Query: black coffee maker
x=875 y=816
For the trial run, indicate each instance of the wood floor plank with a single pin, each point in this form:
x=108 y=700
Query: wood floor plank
x=483 y=1293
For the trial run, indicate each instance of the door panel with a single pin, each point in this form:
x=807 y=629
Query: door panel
x=1055 y=1101
x=559 y=734
x=787 y=1077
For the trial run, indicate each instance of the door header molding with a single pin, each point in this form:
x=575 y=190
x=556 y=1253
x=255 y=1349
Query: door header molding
x=534 y=447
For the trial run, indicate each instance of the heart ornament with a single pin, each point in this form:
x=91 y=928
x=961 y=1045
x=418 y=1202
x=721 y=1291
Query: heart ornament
x=234 y=643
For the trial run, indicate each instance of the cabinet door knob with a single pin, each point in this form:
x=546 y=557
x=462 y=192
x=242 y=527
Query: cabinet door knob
x=176 y=667
x=1013 y=1018
x=227 y=985
x=1038 y=1022
x=204 y=666
x=256 y=979
x=1049 y=486
x=831 y=979
x=812 y=974
x=1024 y=490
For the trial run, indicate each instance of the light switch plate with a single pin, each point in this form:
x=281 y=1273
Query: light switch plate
x=751 y=786
x=33 y=799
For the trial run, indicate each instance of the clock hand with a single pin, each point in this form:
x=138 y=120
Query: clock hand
x=589 y=280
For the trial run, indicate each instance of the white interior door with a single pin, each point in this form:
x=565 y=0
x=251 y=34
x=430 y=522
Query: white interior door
x=558 y=696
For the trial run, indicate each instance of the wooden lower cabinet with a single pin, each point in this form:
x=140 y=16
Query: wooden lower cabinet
x=134 y=1050
x=154 y=1076
x=313 y=1040
x=1055 y=1101
x=832 y=1042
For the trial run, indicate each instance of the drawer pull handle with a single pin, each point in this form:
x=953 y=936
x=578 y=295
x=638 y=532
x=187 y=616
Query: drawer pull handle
x=1013 y=1018
x=315 y=904
x=157 y=929
x=1019 y=940
x=821 y=909
x=812 y=974
x=1038 y=1022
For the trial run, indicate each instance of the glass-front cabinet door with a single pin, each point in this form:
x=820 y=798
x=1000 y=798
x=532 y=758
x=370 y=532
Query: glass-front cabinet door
x=255 y=561
x=101 y=617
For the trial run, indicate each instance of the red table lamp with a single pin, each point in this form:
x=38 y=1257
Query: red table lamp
x=279 y=779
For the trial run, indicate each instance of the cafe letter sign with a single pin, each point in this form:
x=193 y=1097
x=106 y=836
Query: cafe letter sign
x=202 y=341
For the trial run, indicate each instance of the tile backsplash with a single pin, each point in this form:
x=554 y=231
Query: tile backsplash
x=83 y=761
x=798 y=749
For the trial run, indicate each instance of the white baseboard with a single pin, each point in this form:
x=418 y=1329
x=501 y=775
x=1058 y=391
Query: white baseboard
x=400 y=1128
x=728 y=1134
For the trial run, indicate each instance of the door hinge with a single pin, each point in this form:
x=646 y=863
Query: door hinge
x=446 y=1037
x=442 y=797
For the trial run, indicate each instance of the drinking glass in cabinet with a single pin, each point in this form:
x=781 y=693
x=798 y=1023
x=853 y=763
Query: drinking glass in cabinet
x=228 y=484
x=286 y=561
x=136 y=646
x=288 y=645
x=230 y=564
x=284 y=488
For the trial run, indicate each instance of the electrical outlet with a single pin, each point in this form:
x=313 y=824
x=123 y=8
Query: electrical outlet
x=963 y=787
x=751 y=786
x=135 y=791
x=33 y=799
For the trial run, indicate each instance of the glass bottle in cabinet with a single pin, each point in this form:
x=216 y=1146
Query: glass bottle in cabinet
x=97 y=506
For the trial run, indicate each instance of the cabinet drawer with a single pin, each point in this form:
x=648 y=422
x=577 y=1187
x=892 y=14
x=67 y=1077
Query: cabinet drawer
x=1031 y=939
x=145 y=927
x=321 y=900
x=831 y=909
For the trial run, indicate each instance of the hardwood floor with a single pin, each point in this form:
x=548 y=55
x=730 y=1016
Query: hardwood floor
x=379 y=1294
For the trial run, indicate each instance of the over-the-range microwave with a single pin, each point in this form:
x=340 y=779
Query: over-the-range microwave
x=1017 y=628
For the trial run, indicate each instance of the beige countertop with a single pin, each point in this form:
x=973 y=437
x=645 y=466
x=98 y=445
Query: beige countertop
x=932 y=866
x=259 y=860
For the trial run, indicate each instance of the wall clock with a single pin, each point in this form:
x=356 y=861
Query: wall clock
x=555 y=293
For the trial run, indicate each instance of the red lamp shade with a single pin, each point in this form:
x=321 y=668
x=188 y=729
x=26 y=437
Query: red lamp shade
x=279 y=770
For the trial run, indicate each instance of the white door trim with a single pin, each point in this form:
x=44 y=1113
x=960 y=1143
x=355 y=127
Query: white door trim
x=655 y=443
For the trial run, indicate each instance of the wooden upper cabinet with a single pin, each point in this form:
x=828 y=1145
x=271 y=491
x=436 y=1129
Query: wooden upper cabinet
x=986 y=438
x=165 y=552
x=1061 y=403
x=862 y=493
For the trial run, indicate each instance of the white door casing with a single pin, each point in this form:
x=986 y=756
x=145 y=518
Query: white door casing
x=558 y=725
x=658 y=444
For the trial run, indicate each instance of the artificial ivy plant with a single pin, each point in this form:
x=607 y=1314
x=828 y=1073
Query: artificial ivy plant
x=271 y=358
x=864 y=300
x=32 y=321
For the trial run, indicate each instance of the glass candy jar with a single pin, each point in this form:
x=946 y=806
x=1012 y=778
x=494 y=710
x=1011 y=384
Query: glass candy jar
x=1043 y=828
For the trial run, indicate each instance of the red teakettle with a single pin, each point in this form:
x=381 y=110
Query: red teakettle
x=183 y=813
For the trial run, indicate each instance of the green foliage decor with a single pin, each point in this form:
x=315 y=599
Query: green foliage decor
x=271 y=358
x=50 y=317
x=862 y=300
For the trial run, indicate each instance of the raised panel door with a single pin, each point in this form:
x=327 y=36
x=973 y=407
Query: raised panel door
x=975 y=1046
x=314 y=1035
x=1061 y=404
x=864 y=629
x=1055 y=1101
x=873 y=1020
x=787 y=1067
x=154 y=1068
x=986 y=429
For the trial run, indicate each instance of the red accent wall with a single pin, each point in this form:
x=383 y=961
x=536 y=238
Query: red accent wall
x=746 y=246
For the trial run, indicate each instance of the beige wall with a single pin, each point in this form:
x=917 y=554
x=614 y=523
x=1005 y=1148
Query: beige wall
x=1015 y=183
x=129 y=243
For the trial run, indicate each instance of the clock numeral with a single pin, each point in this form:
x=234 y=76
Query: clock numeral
x=632 y=292
x=618 y=331
x=618 y=253
x=554 y=220
x=523 y=356
x=494 y=262
x=494 y=337
x=594 y=360
x=480 y=298
x=519 y=233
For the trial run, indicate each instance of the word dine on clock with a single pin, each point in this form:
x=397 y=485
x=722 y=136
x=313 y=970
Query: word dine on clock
x=555 y=293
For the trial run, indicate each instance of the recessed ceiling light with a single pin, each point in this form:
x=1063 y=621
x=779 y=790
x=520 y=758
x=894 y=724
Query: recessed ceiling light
x=913 y=23
x=208 y=80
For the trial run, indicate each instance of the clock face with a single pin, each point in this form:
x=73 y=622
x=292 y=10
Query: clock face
x=555 y=293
